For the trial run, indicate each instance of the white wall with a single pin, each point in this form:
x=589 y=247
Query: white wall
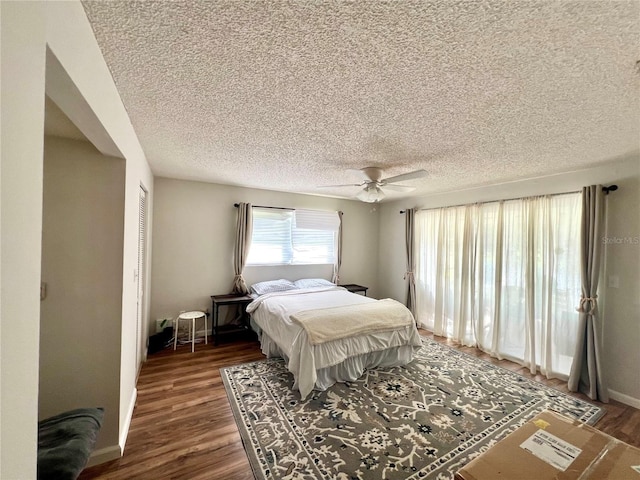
x=22 y=57
x=194 y=234
x=622 y=312
x=70 y=38
x=27 y=29
x=80 y=318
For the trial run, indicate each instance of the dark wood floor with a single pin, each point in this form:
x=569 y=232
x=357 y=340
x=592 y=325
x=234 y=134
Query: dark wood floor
x=183 y=428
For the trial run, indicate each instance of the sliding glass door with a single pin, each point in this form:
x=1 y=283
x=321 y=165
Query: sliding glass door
x=503 y=276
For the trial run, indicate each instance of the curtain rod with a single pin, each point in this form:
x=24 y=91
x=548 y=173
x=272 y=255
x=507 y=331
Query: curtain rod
x=275 y=208
x=262 y=206
x=606 y=190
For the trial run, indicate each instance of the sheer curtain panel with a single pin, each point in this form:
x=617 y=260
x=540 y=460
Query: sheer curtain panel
x=503 y=276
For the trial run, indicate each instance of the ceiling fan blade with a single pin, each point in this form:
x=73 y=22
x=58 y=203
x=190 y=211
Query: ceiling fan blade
x=398 y=188
x=405 y=176
x=345 y=185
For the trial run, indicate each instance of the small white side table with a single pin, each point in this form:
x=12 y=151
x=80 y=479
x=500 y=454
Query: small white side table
x=193 y=316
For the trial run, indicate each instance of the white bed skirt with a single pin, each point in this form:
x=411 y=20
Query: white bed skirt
x=349 y=369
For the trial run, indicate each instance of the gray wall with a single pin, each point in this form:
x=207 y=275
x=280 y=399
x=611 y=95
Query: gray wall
x=80 y=318
x=621 y=304
x=194 y=232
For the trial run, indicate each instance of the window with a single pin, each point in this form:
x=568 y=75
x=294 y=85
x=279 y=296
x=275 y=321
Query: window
x=293 y=237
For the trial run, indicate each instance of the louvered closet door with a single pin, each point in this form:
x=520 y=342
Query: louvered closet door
x=142 y=247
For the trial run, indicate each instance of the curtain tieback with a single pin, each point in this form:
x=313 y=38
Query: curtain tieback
x=410 y=276
x=236 y=277
x=583 y=303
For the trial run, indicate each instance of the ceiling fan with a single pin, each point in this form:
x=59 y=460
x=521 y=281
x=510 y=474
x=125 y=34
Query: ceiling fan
x=374 y=184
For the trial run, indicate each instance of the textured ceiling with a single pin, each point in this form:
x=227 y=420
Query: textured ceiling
x=290 y=95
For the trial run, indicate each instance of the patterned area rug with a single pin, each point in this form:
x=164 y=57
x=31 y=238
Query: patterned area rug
x=425 y=420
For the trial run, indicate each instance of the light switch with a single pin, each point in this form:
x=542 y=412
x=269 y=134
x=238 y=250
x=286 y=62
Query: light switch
x=614 y=281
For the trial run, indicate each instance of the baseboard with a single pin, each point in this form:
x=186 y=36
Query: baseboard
x=127 y=423
x=112 y=452
x=104 y=455
x=626 y=399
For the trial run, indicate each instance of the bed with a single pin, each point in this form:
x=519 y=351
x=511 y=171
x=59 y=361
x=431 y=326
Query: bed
x=327 y=334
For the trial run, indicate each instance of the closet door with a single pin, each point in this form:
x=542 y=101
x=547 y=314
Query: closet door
x=141 y=330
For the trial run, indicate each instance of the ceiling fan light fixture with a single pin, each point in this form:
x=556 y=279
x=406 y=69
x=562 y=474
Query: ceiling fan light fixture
x=373 y=188
x=371 y=194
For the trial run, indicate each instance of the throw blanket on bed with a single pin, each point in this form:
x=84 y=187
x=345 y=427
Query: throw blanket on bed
x=327 y=324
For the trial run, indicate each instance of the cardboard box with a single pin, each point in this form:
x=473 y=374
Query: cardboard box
x=553 y=447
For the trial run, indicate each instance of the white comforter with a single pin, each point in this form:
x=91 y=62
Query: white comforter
x=272 y=313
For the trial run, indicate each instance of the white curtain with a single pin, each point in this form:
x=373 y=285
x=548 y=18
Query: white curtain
x=503 y=276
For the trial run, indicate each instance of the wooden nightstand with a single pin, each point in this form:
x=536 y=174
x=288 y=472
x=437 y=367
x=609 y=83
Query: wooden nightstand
x=228 y=300
x=354 y=288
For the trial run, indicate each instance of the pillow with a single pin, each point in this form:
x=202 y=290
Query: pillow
x=271 y=286
x=313 y=283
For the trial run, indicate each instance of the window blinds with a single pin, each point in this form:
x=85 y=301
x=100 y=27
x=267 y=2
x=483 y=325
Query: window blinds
x=299 y=237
